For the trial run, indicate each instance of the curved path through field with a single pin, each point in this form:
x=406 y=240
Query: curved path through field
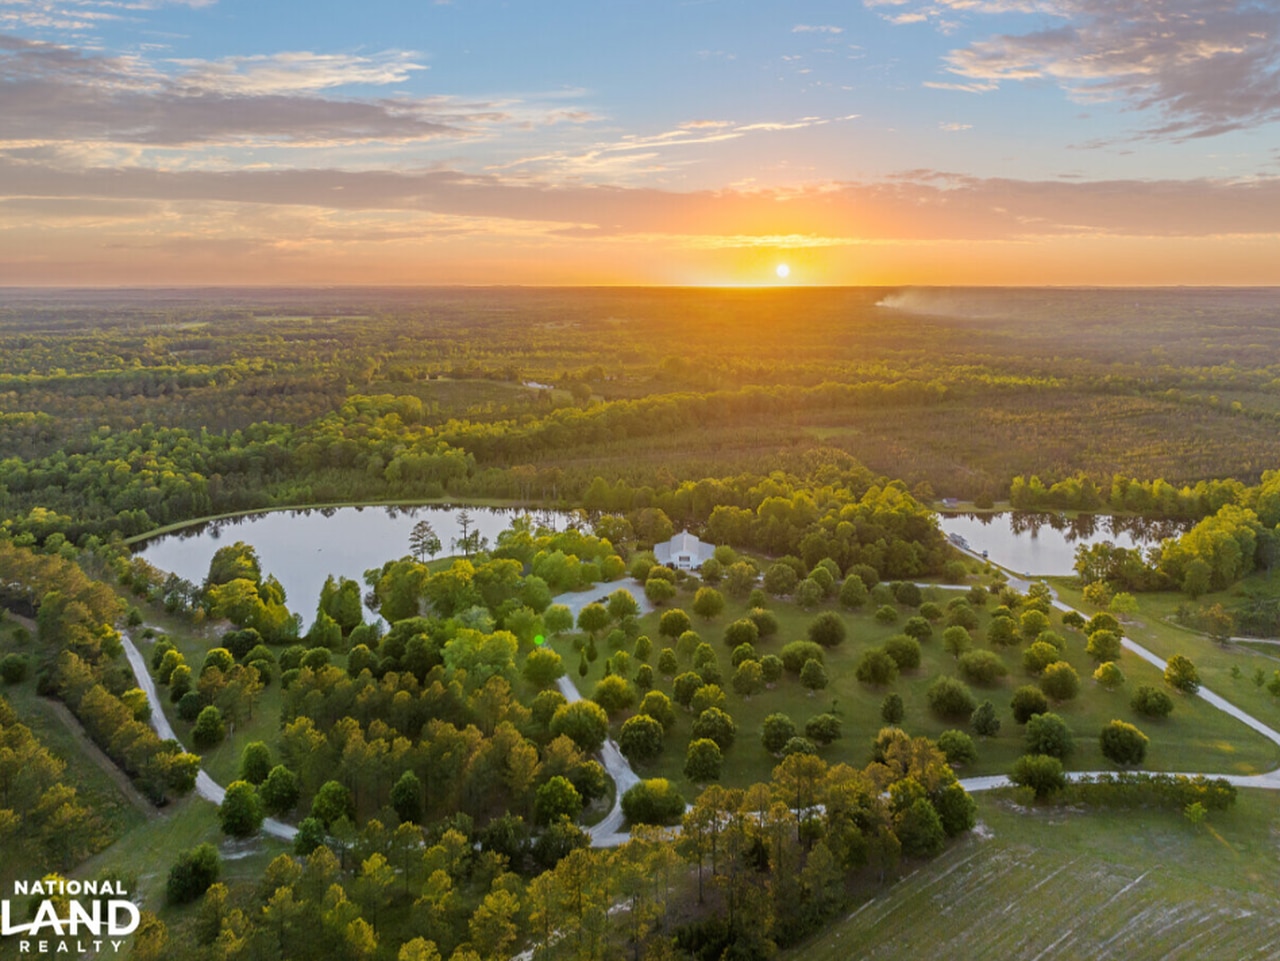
x=206 y=787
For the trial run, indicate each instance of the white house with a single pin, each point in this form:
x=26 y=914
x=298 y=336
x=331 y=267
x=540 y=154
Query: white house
x=683 y=552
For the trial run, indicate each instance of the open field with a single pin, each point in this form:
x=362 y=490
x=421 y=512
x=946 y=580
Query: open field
x=1061 y=885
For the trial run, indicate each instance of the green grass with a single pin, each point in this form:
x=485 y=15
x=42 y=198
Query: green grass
x=94 y=786
x=1153 y=627
x=145 y=854
x=1197 y=737
x=1058 y=884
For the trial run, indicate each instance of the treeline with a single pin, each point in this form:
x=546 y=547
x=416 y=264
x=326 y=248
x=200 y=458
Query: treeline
x=1214 y=554
x=81 y=665
x=1156 y=498
x=43 y=823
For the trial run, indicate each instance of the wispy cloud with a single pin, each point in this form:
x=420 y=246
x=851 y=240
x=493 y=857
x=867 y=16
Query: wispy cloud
x=51 y=93
x=816 y=28
x=295 y=72
x=1205 y=67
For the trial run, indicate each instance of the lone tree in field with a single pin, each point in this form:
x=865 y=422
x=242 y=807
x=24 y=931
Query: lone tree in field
x=813 y=676
x=828 y=629
x=708 y=603
x=1180 y=673
x=1123 y=743
x=240 y=814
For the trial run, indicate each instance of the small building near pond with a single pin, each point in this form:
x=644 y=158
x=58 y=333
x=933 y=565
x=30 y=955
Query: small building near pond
x=683 y=552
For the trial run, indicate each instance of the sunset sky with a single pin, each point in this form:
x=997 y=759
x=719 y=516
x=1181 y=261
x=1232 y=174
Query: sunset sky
x=696 y=142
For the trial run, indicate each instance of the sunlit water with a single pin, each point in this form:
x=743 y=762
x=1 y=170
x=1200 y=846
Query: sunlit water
x=302 y=548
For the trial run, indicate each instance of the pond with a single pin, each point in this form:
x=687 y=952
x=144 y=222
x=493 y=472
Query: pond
x=1044 y=543
x=303 y=547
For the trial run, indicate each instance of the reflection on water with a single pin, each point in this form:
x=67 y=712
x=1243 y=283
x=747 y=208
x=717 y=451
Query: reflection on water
x=1031 y=542
x=303 y=547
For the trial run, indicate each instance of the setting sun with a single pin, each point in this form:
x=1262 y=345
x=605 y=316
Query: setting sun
x=783 y=271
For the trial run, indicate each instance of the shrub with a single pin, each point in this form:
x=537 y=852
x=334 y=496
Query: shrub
x=808 y=594
x=1041 y=773
x=655 y=801
x=982 y=667
x=1047 y=733
x=280 y=791
x=892 y=709
x=708 y=602
x=742 y=631
x=1151 y=702
x=918 y=628
x=255 y=762
x=984 y=720
x=771 y=668
x=814 y=676
x=949 y=697
x=209 y=729
x=332 y=803
x=799 y=745
x=886 y=614
x=956 y=640
x=193 y=874
x=823 y=728
x=189 y=706
x=748 y=679
x=684 y=687
x=703 y=760
x=613 y=694
x=709 y=695
x=13 y=669
x=1002 y=632
x=876 y=667
x=641 y=738
x=828 y=629
x=904 y=650
x=958 y=747
x=743 y=652
x=1123 y=743
x=556 y=799
x=240 y=814
x=715 y=724
x=1060 y=681
x=853 y=593
x=906 y=593
x=776 y=731
x=658 y=706
x=1039 y=656
x=1103 y=646
x=1181 y=674
x=1028 y=701
x=795 y=654
x=764 y=620
x=583 y=722
x=1109 y=675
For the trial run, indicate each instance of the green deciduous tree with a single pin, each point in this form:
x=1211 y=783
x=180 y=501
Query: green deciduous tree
x=1123 y=743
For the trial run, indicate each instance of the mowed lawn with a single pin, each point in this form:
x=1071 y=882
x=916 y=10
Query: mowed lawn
x=1155 y=628
x=1063 y=885
x=1196 y=737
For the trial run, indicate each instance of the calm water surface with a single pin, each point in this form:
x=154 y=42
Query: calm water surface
x=1045 y=544
x=302 y=548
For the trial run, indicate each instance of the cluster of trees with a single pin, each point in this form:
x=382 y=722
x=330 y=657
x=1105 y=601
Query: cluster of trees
x=1214 y=554
x=1155 y=498
x=772 y=863
x=43 y=823
x=81 y=663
